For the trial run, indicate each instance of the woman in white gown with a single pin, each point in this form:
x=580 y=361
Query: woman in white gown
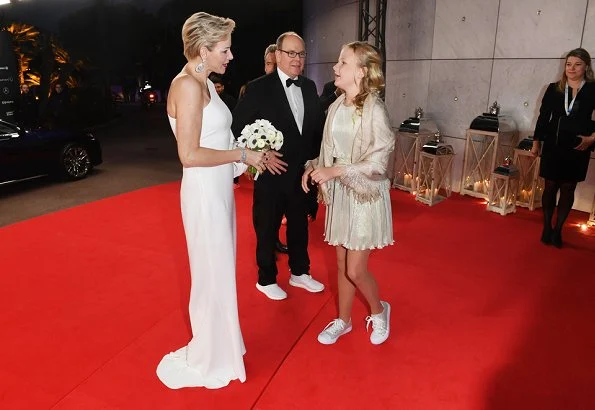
x=201 y=124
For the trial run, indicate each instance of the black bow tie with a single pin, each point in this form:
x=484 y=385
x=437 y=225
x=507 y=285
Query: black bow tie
x=297 y=82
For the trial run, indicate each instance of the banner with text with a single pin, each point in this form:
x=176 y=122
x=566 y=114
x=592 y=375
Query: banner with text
x=9 y=79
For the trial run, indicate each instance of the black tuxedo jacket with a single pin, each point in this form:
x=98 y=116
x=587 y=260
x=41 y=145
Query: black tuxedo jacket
x=329 y=95
x=265 y=98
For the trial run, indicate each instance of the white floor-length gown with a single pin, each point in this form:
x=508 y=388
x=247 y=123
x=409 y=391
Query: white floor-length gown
x=214 y=356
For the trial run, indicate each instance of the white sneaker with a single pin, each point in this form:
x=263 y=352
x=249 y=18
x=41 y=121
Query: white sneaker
x=333 y=331
x=306 y=282
x=380 y=325
x=273 y=291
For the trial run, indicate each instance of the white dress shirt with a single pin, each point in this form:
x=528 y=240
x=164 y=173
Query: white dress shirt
x=295 y=98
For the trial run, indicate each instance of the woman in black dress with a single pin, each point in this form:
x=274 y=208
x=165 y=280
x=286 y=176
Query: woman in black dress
x=568 y=134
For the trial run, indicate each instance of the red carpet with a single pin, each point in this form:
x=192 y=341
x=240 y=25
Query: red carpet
x=484 y=315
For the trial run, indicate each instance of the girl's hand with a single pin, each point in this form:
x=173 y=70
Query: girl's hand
x=306 y=177
x=321 y=175
x=586 y=142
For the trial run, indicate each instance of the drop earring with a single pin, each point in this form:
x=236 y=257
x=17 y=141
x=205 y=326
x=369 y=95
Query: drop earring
x=200 y=67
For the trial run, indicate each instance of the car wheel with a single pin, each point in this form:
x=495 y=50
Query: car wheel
x=75 y=161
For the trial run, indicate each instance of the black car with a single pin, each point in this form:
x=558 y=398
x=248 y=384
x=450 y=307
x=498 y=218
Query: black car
x=29 y=153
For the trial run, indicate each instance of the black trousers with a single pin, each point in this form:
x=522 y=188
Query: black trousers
x=270 y=201
x=313 y=201
x=311 y=207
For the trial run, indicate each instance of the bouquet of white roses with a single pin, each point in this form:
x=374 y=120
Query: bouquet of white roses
x=260 y=136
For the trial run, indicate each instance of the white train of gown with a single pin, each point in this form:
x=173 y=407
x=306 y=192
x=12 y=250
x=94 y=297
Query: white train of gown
x=214 y=356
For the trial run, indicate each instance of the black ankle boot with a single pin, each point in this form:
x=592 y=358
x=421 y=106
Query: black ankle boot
x=546 y=235
x=557 y=238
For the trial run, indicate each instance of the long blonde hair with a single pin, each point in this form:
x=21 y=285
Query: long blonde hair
x=370 y=59
x=586 y=58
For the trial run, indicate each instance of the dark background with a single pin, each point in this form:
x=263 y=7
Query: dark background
x=124 y=42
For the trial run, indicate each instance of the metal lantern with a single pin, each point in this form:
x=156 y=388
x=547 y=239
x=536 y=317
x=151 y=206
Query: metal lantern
x=504 y=185
x=530 y=183
x=435 y=172
x=413 y=133
x=490 y=138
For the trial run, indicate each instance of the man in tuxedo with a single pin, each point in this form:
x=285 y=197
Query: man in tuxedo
x=270 y=65
x=290 y=102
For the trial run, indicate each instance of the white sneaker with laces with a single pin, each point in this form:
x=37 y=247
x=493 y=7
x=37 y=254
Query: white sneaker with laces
x=306 y=282
x=273 y=291
x=380 y=325
x=333 y=331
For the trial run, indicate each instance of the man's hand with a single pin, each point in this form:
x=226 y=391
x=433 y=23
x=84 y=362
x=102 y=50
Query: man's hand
x=586 y=142
x=273 y=163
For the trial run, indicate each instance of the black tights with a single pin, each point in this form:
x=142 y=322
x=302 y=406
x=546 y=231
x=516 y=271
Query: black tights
x=548 y=202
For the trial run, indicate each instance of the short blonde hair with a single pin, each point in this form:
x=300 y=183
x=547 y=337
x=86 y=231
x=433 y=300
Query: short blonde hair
x=204 y=30
x=370 y=59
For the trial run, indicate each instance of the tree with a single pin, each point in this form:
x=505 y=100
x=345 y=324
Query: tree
x=26 y=45
x=42 y=61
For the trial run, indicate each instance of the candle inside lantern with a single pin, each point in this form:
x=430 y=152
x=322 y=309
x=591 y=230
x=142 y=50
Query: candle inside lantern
x=407 y=178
